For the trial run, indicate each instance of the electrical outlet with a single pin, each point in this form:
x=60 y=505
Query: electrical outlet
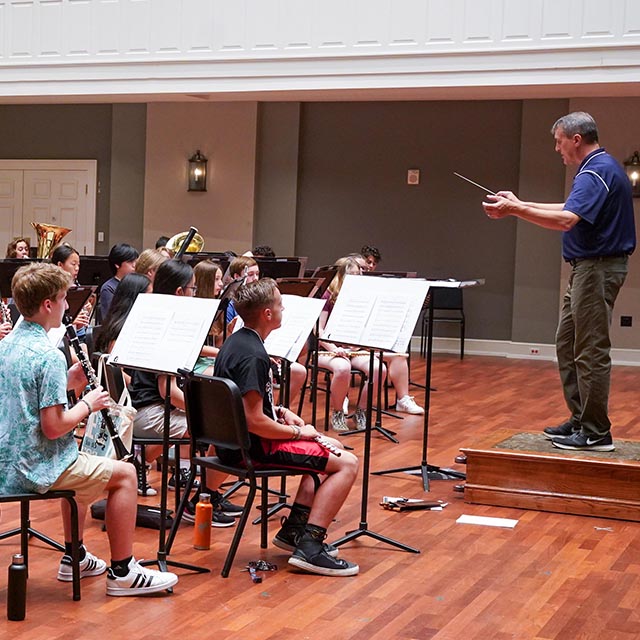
x=100 y=236
x=534 y=352
x=626 y=321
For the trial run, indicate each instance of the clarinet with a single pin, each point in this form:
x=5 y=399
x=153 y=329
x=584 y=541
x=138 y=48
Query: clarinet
x=121 y=451
x=5 y=313
x=323 y=442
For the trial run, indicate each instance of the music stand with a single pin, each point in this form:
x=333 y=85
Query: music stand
x=162 y=335
x=281 y=267
x=375 y=314
x=363 y=527
x=424 y=469
x=94 y=270
x=8 y=268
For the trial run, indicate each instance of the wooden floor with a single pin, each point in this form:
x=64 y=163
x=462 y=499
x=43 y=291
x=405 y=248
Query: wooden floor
x=553 y=576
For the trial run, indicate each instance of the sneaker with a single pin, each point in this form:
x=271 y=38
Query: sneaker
x=145 y=489
x=220 y=503
x=139 y=581
x=408 y=405
x=90 y=566
x=218 y=518
x=581 y=442
x=360 y=417
x=289 y=536
x=184 y=479
x=314 y=559
x=561 y=431
x=338 y=421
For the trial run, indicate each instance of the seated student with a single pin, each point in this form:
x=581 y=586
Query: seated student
x=131 y=286
x=283 y=439
x=39 y=452
x=148 y=393
x=247 y=268
x=372 y=257
x=19 y=248
x=67 y=258
x=122 y=260
x=149 y=261
x=340 y=362
x=264 y=250
x=241 y=267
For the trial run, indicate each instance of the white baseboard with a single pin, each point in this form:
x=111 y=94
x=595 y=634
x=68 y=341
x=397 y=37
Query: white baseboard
x=522 y=350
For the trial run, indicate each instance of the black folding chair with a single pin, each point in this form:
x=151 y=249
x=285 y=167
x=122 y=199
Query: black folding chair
x=215 y=414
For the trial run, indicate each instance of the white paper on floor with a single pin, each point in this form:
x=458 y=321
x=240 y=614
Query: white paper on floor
x=487 y=521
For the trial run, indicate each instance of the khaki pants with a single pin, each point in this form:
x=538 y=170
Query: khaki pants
x=583 y=345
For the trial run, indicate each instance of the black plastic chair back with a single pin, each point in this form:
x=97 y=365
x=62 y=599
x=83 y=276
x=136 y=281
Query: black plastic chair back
x=215 y=413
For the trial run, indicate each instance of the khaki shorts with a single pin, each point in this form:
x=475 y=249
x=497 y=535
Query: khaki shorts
x=149 y=422
x=88 y=476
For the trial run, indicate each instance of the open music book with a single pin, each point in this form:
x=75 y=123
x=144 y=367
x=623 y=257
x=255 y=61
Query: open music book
x=164 y=333
x=379 y=313
x=298 y=318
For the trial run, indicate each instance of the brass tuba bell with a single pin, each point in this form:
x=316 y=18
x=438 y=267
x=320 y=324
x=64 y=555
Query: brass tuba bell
x=175 y=242
x=49 y=235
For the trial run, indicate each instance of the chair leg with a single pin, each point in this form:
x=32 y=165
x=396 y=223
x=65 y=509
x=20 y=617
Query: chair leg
x=240 y=528
x=25 y=526
x=462 y=340
x=264 y=523
x=75 y=547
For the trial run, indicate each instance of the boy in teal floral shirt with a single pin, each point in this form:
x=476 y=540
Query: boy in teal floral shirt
x=38 y=452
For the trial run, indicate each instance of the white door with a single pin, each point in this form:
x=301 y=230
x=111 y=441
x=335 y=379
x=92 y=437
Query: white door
x=10 y=207
x=59 y=198
x=59 y=192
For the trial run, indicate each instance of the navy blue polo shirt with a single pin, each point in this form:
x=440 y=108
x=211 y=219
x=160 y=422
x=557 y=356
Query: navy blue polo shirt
x=601 y=196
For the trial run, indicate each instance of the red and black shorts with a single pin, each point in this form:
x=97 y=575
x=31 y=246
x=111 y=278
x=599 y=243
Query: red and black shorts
x=292 y=454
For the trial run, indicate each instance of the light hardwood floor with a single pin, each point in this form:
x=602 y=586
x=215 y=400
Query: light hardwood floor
x=552 y=577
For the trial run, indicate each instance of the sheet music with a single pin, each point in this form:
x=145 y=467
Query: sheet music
x=164 y=333
x=376 y=312
x=298 y=319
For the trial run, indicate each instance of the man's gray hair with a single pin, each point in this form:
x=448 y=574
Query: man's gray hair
x=578 y=122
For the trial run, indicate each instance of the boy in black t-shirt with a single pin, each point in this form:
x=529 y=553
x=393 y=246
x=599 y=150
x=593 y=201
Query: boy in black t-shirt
x=282 y=438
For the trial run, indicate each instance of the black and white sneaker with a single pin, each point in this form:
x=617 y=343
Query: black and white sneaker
x=320 y=562
x=220 y=503
x=90 y=566
x=582 y=442
x=218 y=518
x=561 y=431
x=184 y=478
x=139 y=581
x=289 y=536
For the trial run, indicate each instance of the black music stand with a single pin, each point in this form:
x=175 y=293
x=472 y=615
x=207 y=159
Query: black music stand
x=156 y=336
x=363 y=527
x=424 y=469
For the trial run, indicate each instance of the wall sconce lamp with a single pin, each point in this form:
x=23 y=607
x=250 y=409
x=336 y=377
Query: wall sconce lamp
x=632 y=167
x=197 y=172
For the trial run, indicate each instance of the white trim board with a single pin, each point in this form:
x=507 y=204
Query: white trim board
x=522 y=350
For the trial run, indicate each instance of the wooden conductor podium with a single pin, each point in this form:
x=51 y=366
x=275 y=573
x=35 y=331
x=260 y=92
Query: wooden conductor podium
x=525 y=471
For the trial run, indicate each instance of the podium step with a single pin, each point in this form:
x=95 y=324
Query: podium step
x=525 y=471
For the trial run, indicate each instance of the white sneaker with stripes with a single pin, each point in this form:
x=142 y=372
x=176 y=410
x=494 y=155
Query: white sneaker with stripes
x=90 y=566
x=139 y=581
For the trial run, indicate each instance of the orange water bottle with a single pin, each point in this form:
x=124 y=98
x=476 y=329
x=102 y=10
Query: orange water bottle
x=202 y=529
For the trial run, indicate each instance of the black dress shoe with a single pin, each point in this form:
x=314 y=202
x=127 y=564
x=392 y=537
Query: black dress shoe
x=458 y=488
x=461 y=459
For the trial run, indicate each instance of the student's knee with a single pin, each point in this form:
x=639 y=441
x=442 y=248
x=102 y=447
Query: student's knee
x=124 y=475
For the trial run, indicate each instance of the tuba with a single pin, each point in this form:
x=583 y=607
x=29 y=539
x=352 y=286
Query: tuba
x=49 y=235
x=195 y=245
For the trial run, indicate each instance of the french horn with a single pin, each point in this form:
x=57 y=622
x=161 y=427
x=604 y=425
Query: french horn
x=49 y=235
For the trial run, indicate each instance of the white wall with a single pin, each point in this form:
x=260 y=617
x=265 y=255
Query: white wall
x=122 y=47
x=226 y=135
